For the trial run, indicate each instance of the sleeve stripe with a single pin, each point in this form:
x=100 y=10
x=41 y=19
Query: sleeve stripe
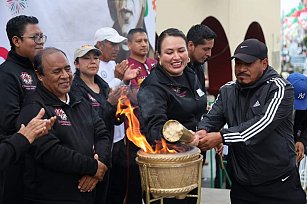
x=218 y=96
x=235 y=137
x=234 y=140
x=264 y=121
x=232 y=133
x=269 y=114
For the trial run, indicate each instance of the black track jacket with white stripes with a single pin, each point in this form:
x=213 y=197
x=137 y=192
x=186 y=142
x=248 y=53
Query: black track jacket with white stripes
x=260 y=127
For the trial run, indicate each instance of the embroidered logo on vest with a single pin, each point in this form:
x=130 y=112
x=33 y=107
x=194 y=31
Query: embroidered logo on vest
x=94 y=102
x=27 y=81
x=179 y=92
x=62 y=117
x=26 y=78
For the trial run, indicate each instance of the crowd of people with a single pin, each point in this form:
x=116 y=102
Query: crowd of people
x=61 y=141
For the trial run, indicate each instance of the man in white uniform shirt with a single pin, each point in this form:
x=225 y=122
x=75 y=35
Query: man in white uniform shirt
x=116 y=75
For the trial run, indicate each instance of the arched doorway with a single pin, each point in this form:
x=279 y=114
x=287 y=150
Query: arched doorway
x=254 y=31
x=219 y=65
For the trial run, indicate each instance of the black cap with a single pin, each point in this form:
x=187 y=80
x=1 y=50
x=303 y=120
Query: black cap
x=250 y=50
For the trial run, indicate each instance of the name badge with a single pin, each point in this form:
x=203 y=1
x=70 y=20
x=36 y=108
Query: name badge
x=200 y=92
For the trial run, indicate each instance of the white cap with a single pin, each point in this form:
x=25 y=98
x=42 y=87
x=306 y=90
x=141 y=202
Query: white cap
x=109 y=34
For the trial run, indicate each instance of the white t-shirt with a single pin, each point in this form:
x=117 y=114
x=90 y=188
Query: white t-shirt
x=106 y=71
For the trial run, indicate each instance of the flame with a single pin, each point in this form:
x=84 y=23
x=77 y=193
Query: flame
x=164 y=149
x=133 y=131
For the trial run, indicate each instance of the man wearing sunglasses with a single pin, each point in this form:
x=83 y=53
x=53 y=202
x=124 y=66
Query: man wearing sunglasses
x=17 y=79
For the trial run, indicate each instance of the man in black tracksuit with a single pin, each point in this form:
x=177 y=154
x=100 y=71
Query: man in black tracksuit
x=258 y=110
x=17 y=79
x=60 y=167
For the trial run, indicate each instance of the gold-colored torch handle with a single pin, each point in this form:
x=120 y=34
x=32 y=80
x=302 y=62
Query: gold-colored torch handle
x=174 y=131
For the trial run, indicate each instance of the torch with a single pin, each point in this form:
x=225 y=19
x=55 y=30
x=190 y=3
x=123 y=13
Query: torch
x=174 y=131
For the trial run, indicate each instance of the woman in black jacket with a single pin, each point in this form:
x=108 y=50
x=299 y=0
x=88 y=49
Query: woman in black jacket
x=171 y=91
x=93 y=88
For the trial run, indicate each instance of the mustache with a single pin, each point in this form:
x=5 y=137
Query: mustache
x=242 y=74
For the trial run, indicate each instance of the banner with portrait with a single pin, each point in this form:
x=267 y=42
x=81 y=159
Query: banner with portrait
x=71 y=23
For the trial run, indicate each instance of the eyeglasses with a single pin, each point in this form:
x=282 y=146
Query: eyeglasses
x=37 y=38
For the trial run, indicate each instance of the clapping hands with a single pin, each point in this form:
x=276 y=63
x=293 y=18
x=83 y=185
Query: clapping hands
x=124 y=72
x=37 y=126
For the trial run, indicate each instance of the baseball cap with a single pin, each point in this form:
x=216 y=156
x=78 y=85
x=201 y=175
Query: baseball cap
x=81 y=51
x=110 y=34
x=250 y=50
x=299 y=82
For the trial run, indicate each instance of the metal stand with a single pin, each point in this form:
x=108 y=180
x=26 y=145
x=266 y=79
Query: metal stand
x=147 y=187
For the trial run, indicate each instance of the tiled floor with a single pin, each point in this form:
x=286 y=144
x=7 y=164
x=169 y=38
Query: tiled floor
x=215 y=196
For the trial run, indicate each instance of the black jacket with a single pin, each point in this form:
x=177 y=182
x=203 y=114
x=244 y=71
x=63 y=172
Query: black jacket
x=161 y=98
x=98 y=101
x=17 y=79
x=200 y=72
x=300 y=127
x=260 y=126
x=12 y=149
x=57 y=161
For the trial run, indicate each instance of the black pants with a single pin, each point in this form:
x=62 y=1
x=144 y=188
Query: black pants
x=102 y=189
x=2 y=176
x=286 y=190
x=118 y=174
x=13 y=184
x=124 y=181
x=134 y=189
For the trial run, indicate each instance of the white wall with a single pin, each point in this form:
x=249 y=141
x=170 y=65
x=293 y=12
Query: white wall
x=234 y=15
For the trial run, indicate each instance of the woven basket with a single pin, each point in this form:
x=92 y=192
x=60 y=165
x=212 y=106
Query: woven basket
x=170 y=175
